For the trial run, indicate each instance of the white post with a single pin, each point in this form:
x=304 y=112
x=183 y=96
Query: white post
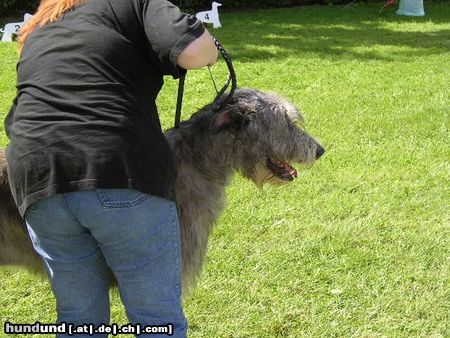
x=411 y=8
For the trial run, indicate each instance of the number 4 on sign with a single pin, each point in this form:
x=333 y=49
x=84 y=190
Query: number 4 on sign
x=211 y=16
x=13 y=28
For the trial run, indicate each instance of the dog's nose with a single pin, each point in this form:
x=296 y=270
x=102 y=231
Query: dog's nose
x=320 y=150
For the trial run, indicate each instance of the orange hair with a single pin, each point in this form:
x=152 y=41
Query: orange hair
x=48 y=11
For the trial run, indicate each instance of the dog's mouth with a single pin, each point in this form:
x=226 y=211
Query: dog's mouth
x=282 y=170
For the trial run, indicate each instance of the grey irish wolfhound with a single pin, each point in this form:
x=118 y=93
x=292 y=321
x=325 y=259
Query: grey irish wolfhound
x=254 y=133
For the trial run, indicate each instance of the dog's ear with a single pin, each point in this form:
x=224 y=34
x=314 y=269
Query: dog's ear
x=231 y=119
x=222 y=120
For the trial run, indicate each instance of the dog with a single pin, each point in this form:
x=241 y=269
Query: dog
x=211 y=16
x=254 y=133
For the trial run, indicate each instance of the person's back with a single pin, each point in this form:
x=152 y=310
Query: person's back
x=87 y=85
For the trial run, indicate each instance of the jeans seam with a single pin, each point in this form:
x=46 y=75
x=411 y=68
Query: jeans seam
x=100 y=196
x=177 y=238
x=120 y=204
x=66 y=206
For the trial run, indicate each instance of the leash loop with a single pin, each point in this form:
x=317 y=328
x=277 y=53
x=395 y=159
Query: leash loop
x=219 y=100
x=212 y=79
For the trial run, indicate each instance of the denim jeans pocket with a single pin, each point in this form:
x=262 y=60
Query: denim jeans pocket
x=121 y=198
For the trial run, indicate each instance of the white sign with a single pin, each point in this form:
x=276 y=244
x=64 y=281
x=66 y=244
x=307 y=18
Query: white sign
x=13 y=28
x=211 y=16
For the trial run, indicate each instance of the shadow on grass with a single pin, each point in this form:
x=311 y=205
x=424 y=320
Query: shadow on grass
x=335 y=33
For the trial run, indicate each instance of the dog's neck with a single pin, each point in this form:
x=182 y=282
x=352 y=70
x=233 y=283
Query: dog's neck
x=209 y=155
x=205 y=167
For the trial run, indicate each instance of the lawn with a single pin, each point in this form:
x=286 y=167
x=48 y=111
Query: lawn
x=358 y=246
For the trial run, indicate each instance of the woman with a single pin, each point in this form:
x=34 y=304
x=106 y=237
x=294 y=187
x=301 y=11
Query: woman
x=89 y=167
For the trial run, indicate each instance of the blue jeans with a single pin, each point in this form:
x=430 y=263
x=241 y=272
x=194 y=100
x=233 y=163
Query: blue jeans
x=83 y=236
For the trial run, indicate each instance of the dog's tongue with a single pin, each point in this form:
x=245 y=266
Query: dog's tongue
x=282 y=169
x=290 y=169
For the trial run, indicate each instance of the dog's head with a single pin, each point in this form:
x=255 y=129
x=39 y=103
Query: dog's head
x=268 y=136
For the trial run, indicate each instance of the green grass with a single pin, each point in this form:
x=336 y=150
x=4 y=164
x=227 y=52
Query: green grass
x=359 y=245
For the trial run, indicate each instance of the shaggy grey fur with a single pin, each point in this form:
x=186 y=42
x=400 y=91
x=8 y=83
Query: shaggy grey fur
x=254 y=133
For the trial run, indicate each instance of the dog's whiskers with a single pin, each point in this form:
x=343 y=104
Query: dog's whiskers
x=268 y=177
